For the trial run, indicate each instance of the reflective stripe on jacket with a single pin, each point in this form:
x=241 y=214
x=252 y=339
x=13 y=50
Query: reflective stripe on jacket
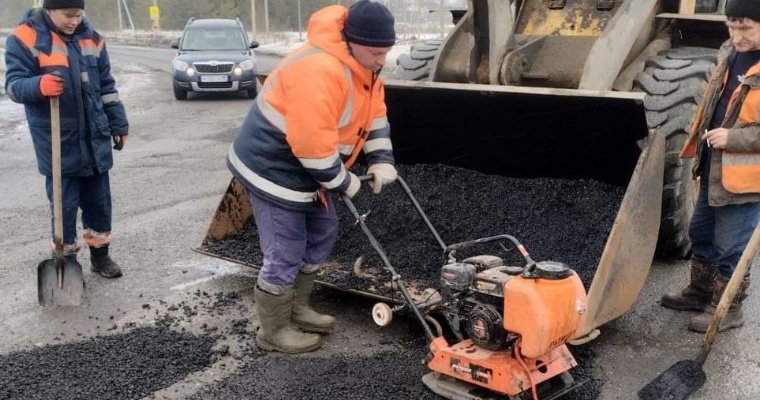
x=90 y=108
x=315 y=113
x=734 y=171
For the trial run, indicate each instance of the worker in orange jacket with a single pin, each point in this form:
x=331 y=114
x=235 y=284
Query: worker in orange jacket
x=725 y=142
x=321 y=107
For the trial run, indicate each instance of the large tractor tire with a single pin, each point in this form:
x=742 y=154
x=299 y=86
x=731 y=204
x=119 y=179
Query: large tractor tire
x=416 y=65
x=674 y=81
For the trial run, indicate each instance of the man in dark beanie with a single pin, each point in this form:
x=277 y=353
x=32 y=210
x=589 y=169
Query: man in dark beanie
x=317 y=111
x=62 y=4
x=725 y=142
x=54 y=52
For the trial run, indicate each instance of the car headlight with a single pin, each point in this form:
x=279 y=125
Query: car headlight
x=179 y=65
x=246 y=65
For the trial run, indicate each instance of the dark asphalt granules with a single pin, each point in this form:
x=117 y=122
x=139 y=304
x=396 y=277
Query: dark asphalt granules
x=394 y=374
x=555 y=219
x=123 y=366
x=386 y=375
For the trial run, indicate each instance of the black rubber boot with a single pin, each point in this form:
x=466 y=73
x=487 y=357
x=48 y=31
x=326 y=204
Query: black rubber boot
x=102 y=263
x=696 y=296
x=303 y=316
x=275 y=331
x=734 y=317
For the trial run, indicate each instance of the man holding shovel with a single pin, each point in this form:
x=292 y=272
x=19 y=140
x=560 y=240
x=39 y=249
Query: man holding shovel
x=54 y=52
x=725 y=141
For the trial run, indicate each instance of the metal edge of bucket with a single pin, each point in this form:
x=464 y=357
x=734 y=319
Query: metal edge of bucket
x=321 y=283
x=629 y=250
x=231 y=214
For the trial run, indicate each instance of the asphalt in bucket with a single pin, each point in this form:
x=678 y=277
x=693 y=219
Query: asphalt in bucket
x=565 y=220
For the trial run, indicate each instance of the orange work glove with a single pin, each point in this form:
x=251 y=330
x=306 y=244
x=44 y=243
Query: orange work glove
x=51 y=85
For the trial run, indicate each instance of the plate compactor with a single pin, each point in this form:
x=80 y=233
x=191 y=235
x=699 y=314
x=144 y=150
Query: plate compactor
x=509 y=324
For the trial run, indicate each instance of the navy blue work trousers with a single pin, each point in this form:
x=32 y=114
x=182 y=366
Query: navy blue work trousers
x=91 y=194
x=720 y=234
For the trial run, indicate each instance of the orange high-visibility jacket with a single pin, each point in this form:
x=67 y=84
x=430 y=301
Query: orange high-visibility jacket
x=316 y=111
x=734 y=171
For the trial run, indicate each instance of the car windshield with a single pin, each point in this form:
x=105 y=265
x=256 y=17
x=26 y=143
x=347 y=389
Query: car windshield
x=213 y=39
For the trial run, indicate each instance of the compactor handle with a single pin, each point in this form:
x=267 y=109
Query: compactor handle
x=417 y=206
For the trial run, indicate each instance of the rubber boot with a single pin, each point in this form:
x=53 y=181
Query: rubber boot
x=733 y=318
x=275 y=332
x=696 y=296
x=102 y=263
x=303 y=316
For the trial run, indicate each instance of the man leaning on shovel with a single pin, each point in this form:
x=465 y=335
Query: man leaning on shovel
x=725 y=142
x=54 y=52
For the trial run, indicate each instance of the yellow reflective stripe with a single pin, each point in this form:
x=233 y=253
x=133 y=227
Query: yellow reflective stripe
x=319 y=163
x=377 y=144
x=267 y=185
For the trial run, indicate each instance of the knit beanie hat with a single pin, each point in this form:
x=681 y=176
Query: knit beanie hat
x=60 y=4
x=743 y=9
x=369 y=23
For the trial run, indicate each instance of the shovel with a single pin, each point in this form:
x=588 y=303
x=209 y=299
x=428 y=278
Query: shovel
x=686 y=376
x=59 y=281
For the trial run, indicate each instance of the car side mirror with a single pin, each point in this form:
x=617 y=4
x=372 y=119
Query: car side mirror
x=175 y=44
x=254 y=44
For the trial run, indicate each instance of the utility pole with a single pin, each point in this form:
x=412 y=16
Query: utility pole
x=129 y=14
x=300 y=33
x=266 y=16
x=253 y=18
x=118 y=5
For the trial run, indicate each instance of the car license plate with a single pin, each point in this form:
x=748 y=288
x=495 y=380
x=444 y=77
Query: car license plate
x=213 y=78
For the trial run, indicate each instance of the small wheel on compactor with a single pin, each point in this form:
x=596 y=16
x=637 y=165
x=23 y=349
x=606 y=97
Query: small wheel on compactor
x=382 y=314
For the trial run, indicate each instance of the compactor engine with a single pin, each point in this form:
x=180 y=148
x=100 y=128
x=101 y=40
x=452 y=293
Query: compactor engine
x=511 y=323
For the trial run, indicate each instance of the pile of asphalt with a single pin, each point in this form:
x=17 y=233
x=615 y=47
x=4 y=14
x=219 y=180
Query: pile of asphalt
x=555 y=219
x=358 y=370
x=129 y=365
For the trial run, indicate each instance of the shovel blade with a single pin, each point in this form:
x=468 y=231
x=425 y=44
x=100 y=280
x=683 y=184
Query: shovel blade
x=676 y=383
x=59 y=283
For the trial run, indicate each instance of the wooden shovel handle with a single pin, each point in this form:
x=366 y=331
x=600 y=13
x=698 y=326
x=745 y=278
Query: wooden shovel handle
x=55 y=127
x=733 y=285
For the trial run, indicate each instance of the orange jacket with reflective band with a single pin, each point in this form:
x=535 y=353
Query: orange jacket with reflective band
x=315 y=113
x=734 y=171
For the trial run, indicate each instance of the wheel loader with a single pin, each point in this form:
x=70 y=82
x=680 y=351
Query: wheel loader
x=562 y=89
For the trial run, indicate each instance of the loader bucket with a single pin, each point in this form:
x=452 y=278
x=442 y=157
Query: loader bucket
x=524 y=133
